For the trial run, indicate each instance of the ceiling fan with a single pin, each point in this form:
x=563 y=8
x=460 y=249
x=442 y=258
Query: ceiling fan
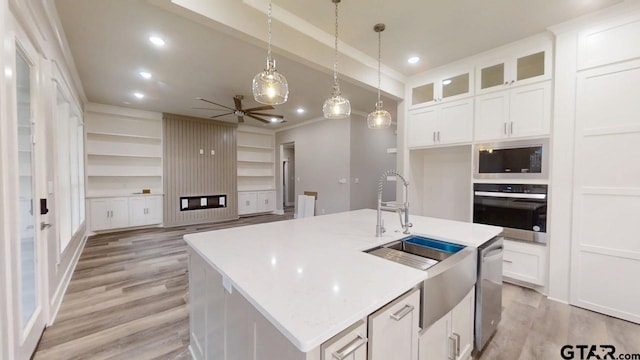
x=254 y=113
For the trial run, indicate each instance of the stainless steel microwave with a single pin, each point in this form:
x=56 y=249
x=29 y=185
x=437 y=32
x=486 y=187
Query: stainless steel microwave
x=522 y=159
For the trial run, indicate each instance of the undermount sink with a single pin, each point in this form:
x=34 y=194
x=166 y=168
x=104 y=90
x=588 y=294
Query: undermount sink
x=451 y=271
x=416 y=251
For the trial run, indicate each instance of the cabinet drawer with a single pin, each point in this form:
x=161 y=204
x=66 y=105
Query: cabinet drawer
x=393 y=330
x=247 y=203
x=524 y=262
x=349 y=344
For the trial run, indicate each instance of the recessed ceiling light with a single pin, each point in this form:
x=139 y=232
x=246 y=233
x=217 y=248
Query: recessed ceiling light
x=138 y=95
x=144 y=74
x=156 y=40
x=300 y=110
x=413 y=60
x=273 y=120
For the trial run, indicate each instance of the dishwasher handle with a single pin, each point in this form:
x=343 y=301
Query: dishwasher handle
x=492 y=252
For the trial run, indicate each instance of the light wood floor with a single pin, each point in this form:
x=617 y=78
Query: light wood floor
x=128 y=299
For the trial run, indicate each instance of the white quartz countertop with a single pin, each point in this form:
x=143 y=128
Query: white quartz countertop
x=309 y=276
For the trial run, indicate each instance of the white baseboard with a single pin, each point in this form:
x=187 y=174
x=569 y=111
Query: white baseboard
x=558 y=300
x=278 y=212
x=56 y=301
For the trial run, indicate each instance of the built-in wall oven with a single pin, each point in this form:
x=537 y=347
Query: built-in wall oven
x=521 y=209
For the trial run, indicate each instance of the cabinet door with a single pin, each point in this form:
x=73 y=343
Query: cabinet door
x=266 y=201
x=197 y=304
x=422 y=127
x=434 y=341
x=524 y=262
x=462 y=320
x=492 y=116
x=492 y=76
x=247 y=203
x=349 y=344
x=456 y=122
x=137 y=211
x=393 y=330
x=532 y=66
x=424 y=94
x=530 y=110
x=119 y=212
x=455 y=87
x=100 y=214
x=154 y=210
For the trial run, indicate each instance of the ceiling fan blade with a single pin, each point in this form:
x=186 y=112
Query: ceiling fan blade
x=200 y=108
x=266 y=107
x=241 y=119
x=211 y=102
x=263 y=114
x=238 y=103
x=257 y=118
x=217 y=116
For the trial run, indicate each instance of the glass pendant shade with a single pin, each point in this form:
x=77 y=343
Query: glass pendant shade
x=270 y=87
x=379 y=119
x=336 y=107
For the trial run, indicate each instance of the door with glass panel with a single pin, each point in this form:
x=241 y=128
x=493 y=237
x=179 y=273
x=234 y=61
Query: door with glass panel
x=28 y=270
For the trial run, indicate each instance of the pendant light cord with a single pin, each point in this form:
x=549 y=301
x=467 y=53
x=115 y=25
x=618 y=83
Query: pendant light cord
x=379 y=56
x=336 y=87
x=269 y=22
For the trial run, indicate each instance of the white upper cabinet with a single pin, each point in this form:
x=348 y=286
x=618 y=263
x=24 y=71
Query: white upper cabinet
x=523 y=111
x=442 y=124
x=520 y=69
x=453 y=86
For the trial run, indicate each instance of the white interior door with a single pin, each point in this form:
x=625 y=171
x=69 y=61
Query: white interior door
x=28 y=271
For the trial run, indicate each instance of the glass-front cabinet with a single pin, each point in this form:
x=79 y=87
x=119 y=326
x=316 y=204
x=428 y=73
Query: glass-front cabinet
x=444 y=88
x=523 y=68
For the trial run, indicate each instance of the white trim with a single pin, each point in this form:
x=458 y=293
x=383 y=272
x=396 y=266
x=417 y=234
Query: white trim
x=557 y=300
x=305 y=123
x=122 y=111
x=56 y=300
x=278 y=212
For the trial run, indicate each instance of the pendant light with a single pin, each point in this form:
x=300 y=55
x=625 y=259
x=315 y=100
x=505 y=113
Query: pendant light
x=336 y=107
x=269 y=86
x=380 y=118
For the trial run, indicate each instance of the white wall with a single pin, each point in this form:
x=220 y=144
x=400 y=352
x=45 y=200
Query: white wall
x=444 y=189
x=322 y=148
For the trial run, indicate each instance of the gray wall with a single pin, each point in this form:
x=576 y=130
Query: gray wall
x=322 y=157
x=369 y=159
x=188 y=173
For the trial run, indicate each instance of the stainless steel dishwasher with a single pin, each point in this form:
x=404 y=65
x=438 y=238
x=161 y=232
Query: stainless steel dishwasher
x=488 y=291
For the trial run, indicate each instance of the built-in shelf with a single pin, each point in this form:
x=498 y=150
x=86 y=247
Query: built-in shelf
x=124 y=151
x=256 y=160
x=127 y=155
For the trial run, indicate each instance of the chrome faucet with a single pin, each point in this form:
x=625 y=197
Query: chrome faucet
x=393 y=207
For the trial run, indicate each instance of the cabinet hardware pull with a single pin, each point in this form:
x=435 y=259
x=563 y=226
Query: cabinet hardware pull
x=513 y=81
x=457 y=336
x=402 y=312
x=452 y=348
x=511 y=129
x=434 y=136
x=507 y=261
x=438 y=136
x=506 y=83
x=350 y=348
x=505 y=128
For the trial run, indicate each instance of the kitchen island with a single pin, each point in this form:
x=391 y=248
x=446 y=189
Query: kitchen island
x=281 y=290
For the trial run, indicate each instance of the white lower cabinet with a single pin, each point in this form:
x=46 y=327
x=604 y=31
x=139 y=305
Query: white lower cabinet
x=251 y=202
x=145 y=210
x=348 y=345
x=393 y=330
x=122 y=212
x=524 y=262
x=109 y=213
x=451 y=337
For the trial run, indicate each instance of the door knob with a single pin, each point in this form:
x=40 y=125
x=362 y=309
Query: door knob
x=44 y=225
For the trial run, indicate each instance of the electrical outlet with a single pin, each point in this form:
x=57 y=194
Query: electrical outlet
x=213 y=152
x=201 y=151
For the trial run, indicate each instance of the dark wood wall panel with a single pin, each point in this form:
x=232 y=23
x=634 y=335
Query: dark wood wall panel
x=188 y=173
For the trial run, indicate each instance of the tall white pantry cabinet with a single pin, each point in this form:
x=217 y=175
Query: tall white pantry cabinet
x=124 y=156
